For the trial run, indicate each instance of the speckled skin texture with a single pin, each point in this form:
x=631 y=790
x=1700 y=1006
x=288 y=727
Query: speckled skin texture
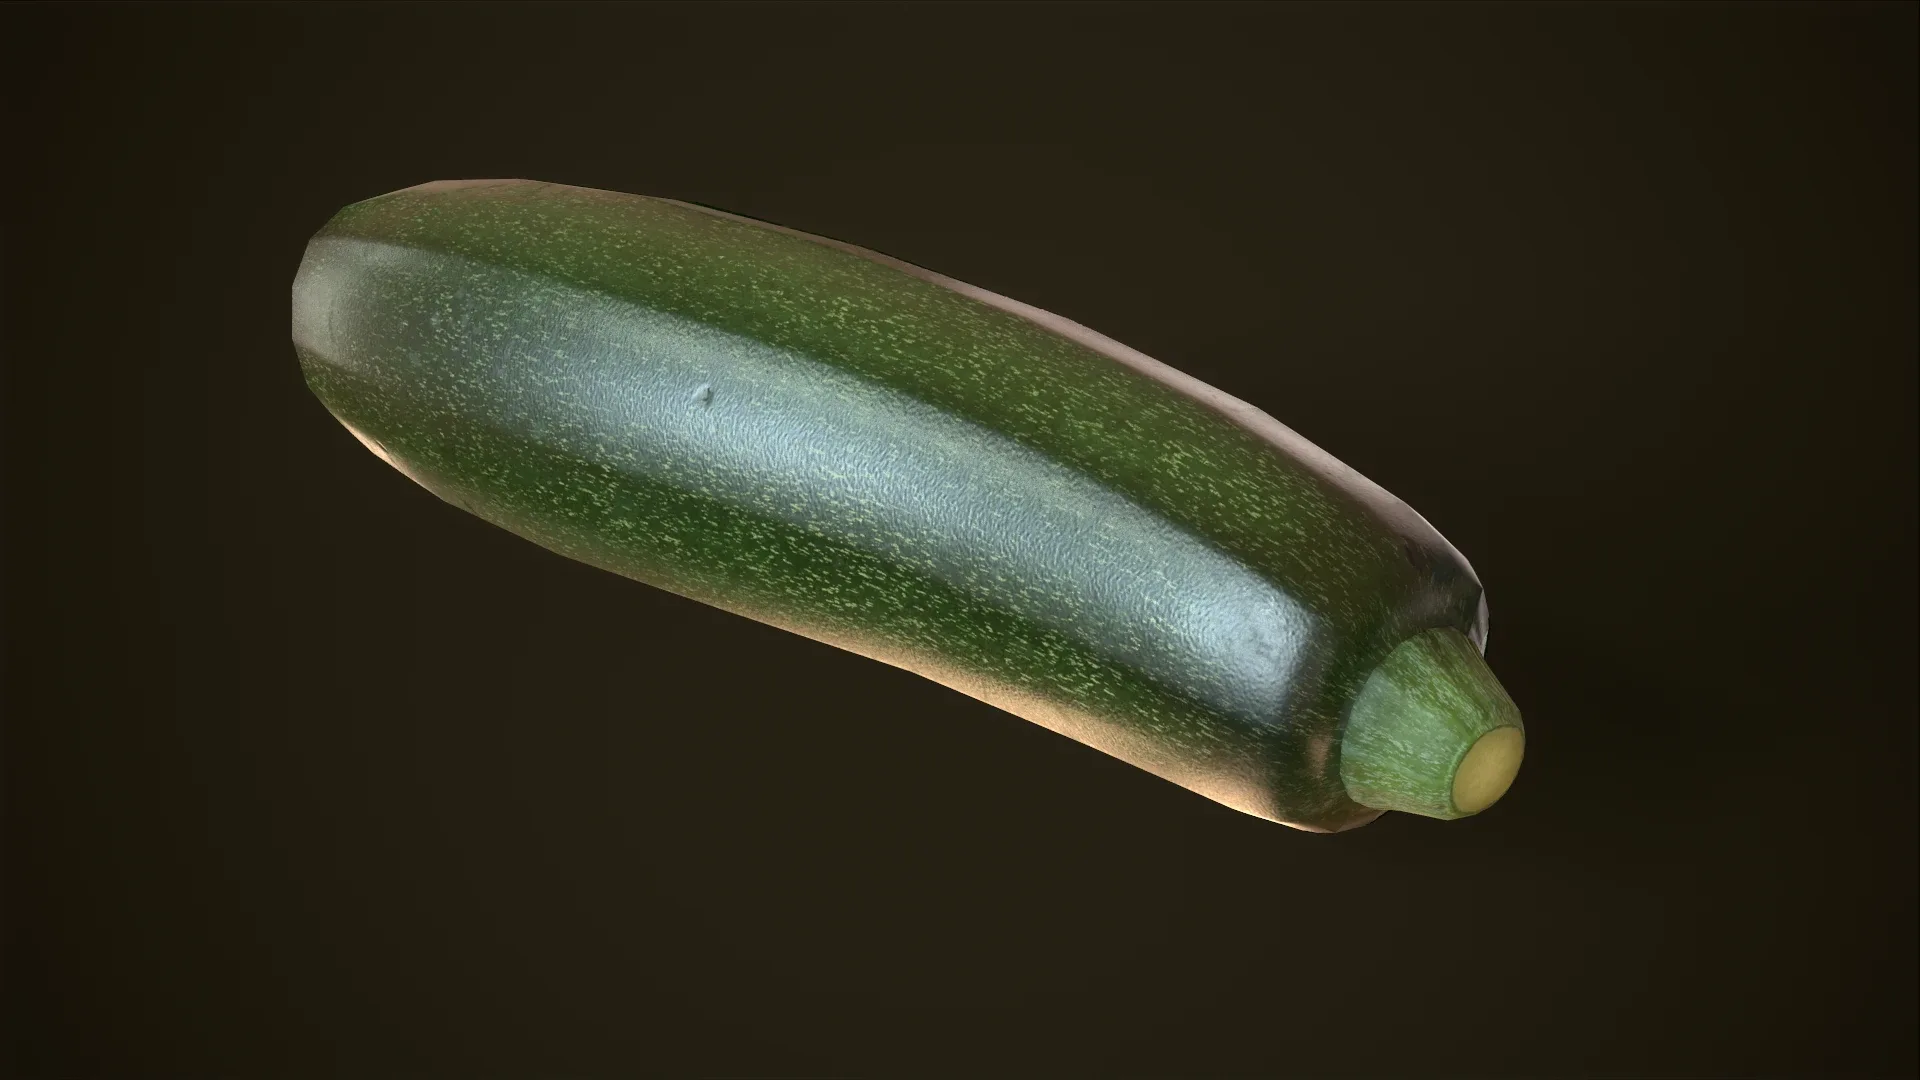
x=830 y=441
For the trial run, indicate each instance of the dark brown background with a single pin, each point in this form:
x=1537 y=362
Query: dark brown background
x=307 y=773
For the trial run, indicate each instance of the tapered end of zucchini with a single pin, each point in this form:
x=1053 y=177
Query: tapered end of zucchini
x=1433 y=732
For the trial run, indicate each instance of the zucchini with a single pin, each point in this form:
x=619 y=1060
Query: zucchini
x=861 y=451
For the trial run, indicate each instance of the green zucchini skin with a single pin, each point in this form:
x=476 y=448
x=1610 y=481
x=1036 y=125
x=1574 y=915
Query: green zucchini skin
x=871 y=455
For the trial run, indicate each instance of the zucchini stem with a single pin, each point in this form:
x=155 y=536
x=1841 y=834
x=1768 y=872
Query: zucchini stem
x=1433 y=732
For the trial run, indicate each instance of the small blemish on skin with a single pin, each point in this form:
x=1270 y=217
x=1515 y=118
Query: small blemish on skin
x=1318 y=750
x=704 y=395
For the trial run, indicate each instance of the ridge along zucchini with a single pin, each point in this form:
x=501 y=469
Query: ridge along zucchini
x=866 y=453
